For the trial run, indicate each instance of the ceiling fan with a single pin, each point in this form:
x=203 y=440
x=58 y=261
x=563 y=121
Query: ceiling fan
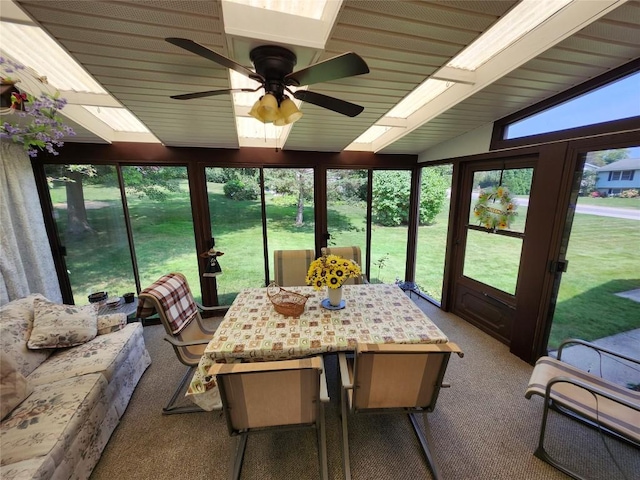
x=274 y=71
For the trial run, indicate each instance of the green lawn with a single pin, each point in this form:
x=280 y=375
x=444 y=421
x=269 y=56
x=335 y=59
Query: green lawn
x=602 y=253
x=617 y=202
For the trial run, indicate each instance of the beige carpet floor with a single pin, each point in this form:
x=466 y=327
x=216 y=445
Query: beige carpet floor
x=483 y=429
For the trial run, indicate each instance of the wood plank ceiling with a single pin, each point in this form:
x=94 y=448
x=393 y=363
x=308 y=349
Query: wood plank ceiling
x=122 y=45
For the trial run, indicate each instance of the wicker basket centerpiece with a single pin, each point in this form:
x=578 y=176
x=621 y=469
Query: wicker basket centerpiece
x=286 y=302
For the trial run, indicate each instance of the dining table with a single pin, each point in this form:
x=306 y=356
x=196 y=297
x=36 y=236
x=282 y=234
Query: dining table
x=252 y=329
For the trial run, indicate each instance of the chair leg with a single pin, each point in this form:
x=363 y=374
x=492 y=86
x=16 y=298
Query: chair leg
x=346 y=466
x=171 y=409
x=322 y=446
x=542 y=454
x=241 y=445
x=425 y=439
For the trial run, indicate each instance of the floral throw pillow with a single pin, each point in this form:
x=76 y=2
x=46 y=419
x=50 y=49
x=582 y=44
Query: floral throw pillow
x=58 y=326
x=13 y=386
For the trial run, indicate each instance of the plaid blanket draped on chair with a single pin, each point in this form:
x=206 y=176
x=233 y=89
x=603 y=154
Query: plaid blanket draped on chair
x=174 y=295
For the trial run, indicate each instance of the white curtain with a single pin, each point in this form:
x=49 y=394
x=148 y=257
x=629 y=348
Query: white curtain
x=26 y=263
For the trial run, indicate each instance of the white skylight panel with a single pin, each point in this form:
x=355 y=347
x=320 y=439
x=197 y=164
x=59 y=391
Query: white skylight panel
x=249 y=127
x=32 y=47
x=523 y=18
x=301 y=8
x=422 y=95
x=245 y=99
x=120 y=119
x=372 y=134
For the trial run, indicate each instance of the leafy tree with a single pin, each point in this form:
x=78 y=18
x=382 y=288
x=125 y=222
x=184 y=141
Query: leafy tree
x=588 y=182
x=391 y=191
x=346 y=185
x=433 y=192
x=518 y=181
x=223 y=175
x=242 y=188
x=153 y=182
x=297 y=182
x=605 y=157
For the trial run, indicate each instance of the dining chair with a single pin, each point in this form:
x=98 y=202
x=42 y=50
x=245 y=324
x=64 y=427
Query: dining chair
x=350 y=253
x=391 y=378
x=171 y=298
x=291 y=266
x=280 y=394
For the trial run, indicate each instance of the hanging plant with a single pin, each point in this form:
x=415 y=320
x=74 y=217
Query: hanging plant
x=495 y=208
x=38 y=125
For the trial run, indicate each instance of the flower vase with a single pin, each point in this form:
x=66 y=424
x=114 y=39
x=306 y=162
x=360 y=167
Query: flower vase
x=335 y=296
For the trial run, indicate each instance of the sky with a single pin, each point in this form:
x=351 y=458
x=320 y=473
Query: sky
x=614 y=101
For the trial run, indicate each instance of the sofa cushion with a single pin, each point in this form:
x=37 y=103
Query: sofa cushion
x=104 y=354
x=33 y=468
x=58 y=326
x=111 y=322
x=49 y=420
x=16 y=322
x=13 y=386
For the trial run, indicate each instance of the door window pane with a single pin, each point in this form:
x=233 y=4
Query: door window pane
x=162 y=223
x=289 y=209
x=432 y=232
x=236 y=224
x=389 y=229
x=89 y=216
x=517 y=186
x=497 y=219
x=493 y=259
x=347 y=209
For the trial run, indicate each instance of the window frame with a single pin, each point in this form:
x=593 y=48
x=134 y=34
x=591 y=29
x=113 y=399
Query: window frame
x=498 y=140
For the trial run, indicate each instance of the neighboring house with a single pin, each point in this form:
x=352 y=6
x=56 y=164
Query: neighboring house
x=619 y=176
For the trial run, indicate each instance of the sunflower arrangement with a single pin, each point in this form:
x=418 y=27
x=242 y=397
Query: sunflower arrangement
x=332 y=271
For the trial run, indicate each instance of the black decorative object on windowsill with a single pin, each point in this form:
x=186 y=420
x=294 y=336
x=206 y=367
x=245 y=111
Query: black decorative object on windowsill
x=98 y=297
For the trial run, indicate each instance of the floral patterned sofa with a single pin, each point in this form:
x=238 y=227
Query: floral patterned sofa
x=67 y=376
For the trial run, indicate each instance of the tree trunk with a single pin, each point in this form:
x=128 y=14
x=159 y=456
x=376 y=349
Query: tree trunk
x=77 y=222
x=300 y=213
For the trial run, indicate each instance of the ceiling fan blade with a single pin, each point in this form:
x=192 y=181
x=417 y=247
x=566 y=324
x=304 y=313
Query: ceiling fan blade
x=345 y=65
x=345 y=108
x=210 y=93
x=198 y=49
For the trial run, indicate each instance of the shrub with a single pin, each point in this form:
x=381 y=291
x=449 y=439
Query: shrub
x=241 y=188
x=391 y=190
x=595 y=194
x=631 y=193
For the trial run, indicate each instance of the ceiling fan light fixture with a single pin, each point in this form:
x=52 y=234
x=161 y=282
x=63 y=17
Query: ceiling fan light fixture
x=289 y=111
x=255 y=113
x=268 y=109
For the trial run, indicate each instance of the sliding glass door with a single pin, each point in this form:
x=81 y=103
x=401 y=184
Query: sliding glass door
x=159 y=205
x=347 y=209
x=289 y=208
x=89 y=217
x=236 y=226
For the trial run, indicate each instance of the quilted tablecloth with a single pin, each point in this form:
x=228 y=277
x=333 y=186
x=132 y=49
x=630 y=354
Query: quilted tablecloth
x=253 y=331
